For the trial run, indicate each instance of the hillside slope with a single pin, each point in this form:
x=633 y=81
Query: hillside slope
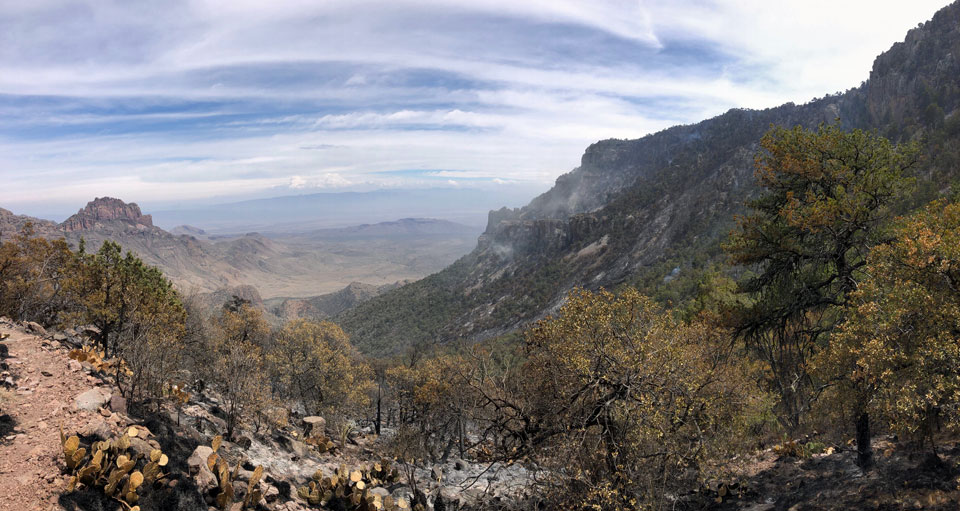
x=646 y=211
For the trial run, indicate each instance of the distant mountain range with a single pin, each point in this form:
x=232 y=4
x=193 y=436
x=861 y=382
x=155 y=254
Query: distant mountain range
x=299 y=213
x=304 y=264
x=651 y=212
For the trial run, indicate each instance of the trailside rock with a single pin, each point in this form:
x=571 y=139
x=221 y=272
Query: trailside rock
x=35 y=328
x=314 y=426
x=118 y=403
x=97 y=428
x=197 y=465
x=92 y=399
x=198 y=459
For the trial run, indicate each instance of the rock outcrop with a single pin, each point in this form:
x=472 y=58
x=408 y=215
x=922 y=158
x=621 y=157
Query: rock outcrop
x=107 y=209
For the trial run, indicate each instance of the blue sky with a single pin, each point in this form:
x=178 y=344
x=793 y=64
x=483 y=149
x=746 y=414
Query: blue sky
x=173 y=102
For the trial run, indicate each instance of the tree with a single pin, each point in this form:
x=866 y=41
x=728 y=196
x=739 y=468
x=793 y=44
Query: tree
x=138 y=314
x=315 y=364
x=898 y=353
x=825 y=199
x=238 y=338
x=115 y=291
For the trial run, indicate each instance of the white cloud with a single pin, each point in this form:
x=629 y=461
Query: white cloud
x=297 y=182
x=233 y=97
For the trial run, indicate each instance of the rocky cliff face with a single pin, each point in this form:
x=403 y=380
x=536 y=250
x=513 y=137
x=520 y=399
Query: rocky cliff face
x=636 y=209
x=107 y=210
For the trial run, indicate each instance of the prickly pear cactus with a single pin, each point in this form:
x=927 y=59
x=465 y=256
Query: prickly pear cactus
x=108 y=466
x=352 y=489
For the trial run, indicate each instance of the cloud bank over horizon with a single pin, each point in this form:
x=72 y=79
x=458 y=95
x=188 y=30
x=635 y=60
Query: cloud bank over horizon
x=168 y=102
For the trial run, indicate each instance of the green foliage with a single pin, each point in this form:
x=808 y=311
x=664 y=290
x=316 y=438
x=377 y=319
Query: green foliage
x=435 y=399
x=33 y=273
x=826 y=198
x=625 y=401
x=138 y=315
x=238 y=370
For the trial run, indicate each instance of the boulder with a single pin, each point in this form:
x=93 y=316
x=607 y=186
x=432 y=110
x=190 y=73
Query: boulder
x=450 y=497
x=72 y=341
x=92 y=399
x=381 y=491
x=243 y=441
x=271 y=493
x=198 y=459
x=89 y=331
x=291 y=505
x=118 y=403
x=314 y=426
x=296 y=447
x=141 y=447
x=197 y=465
x=97 y=428
x=35 y=328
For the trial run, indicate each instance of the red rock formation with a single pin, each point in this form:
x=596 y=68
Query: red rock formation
x=106 y=209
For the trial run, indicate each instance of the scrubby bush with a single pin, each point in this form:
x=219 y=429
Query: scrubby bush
x=624 y=404
x=33 y=272
x=315 y=364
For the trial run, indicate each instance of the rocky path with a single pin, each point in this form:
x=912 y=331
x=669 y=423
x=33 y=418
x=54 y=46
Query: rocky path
x=42 y=397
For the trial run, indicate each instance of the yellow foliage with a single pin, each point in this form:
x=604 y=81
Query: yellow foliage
x=315 y=363
x=631 y=397
x=899 y=352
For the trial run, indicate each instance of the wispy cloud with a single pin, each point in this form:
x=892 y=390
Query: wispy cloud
x=191 y=99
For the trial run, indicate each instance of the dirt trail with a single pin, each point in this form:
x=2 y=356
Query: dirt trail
x=30 y=417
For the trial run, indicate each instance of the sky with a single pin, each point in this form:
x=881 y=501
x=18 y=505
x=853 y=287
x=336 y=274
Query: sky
x=170 y=103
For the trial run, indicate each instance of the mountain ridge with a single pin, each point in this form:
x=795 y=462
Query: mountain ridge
x=635 y=210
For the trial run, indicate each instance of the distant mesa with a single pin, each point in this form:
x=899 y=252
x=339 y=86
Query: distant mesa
x=104 y=210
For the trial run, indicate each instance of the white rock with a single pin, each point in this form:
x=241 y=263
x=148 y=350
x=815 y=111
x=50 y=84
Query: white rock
x=92 y=399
